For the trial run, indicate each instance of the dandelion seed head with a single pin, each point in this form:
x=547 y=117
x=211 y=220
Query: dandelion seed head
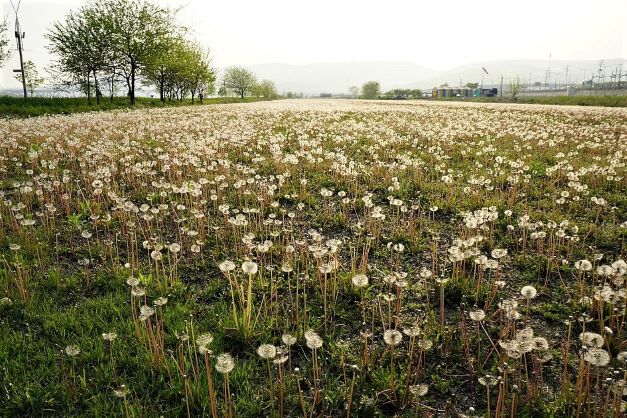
x=288 y=339
x=313 y=340
x=121 y=392
x=226 y=266
x=204 y=339
x=477 y=315
x=109 y=336
x=392 y=337
x=266 y=351
x=225 y=363
x=250 y=267
x=597 y=357
x=419 y=390
x=72 y=350
x=360 y=280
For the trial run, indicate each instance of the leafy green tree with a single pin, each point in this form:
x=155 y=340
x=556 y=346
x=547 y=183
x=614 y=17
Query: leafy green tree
x=353 y=91
x=200 y=76
x=267 y=89
x=240 y=80
x=139 y=31
x=83 y=49
x=183 y=69
x=32 y=77
x=472 y=85
x=370 y=90
x=162 y=69
x=5 y=52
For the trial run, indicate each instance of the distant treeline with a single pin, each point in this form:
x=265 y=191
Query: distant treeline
x=111 y=47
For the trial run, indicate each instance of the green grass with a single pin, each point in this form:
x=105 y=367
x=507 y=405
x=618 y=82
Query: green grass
x=36 y=106
x=72 y=303
x=604 y=101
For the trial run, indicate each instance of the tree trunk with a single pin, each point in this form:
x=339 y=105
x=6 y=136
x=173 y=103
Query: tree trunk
x=161 y=86
x=96 y=86
x=88 y=89
x=128 y=84
x=132 y=90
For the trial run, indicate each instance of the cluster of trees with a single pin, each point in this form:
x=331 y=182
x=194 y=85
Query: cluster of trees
x=404 y=93
x=109 y=43
x=243 y=82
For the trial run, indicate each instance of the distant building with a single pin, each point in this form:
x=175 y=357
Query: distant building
x=451 y=92
x=479 y=92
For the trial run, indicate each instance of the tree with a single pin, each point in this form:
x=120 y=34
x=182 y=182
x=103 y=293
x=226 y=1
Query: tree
x=370 y=90
x=33 y=80
x=472 y=85
x=240 y=80
x=139 y=31
x=515 y=86
x=353 y=91
x=162 y=69
x=200 y=76
x=266 y=89
x=83 y=48
x=5 y=52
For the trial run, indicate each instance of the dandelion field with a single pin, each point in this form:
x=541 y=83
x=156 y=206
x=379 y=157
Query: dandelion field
x=315 y=258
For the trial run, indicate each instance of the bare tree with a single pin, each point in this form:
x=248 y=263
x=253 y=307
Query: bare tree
x=515 y=86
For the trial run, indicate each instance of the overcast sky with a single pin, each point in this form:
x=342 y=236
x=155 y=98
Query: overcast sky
x=438 y=34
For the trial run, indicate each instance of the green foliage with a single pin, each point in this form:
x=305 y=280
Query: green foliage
x=31 y=75
x=403 y=93
x=265 y=89
x=5 y=52
x=120 y=40
x=240 y=80
x=181 y=70
x=370 y=90
x=603 y=101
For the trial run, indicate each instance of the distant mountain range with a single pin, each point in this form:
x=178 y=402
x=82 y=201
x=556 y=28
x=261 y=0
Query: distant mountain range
x=313 y=79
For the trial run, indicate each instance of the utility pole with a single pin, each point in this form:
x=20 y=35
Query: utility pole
x=601 y=70
x=501 y=87
x=19 y=35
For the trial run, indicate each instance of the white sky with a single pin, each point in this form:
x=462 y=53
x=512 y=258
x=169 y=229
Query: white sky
x=438 y=34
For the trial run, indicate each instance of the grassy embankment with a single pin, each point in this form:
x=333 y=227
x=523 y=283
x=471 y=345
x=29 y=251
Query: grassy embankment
x=605 y=101
x=37 y=106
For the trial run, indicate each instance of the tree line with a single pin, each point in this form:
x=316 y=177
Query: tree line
x=118 y=46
